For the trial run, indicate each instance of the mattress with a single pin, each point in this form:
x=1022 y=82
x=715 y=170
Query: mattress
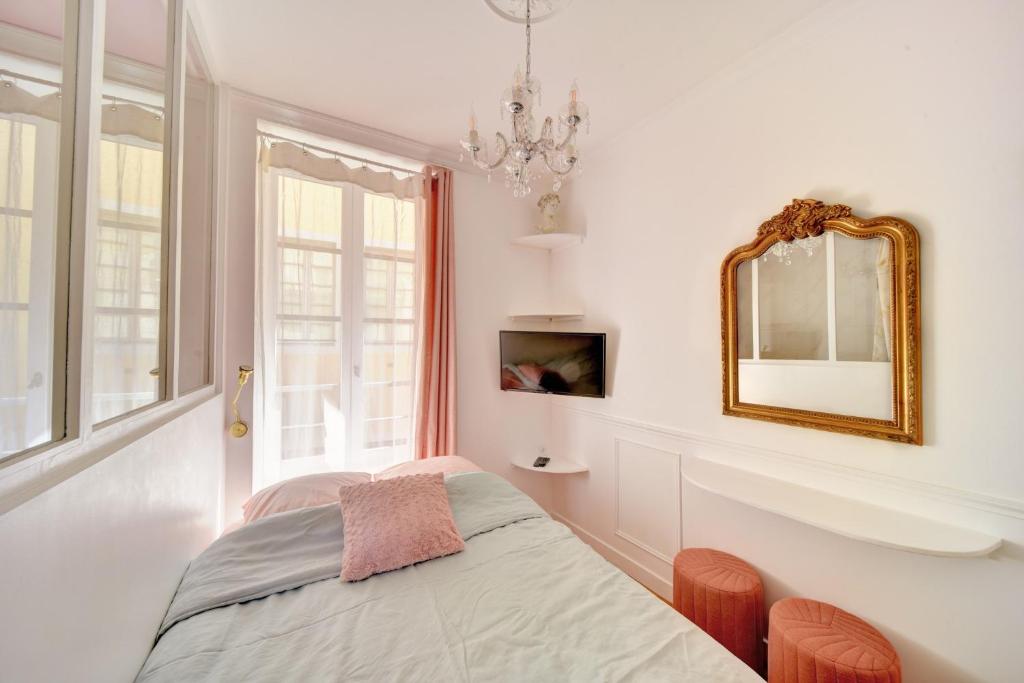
x=525 y=601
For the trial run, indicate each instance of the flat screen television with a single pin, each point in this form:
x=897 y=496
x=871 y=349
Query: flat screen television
x=565 y=363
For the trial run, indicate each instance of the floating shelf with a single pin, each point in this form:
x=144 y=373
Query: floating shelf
x=848 y=517
x=554 y=466
x=550 y=317
x=550 y=240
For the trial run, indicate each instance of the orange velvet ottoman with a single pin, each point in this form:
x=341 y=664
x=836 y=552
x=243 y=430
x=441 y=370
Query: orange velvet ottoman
x=722 y=595
x=814 y=642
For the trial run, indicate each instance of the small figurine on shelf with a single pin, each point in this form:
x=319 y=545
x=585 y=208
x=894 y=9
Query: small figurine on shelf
x=548 y=205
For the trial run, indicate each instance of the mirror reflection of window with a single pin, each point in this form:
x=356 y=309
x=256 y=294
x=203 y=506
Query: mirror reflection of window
x=128 y=301
x=863 y=293
x=745 y=309
x=30 y=159
x=792 y=301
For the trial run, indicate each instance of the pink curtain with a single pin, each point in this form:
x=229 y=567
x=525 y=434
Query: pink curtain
x=435 y=413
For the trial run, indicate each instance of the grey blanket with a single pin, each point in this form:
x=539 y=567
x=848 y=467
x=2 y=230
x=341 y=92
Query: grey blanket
x=525 y=601
x=288 y=550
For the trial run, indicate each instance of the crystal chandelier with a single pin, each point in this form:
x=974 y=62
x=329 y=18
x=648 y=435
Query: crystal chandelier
x=559 y=156
x=784 y=250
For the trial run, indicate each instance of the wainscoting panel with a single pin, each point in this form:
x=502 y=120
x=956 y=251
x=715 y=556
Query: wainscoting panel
x=635 y=508
x=647 y=498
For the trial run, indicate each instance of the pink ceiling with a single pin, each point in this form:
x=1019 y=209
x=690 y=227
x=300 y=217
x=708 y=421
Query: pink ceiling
x=135 y=29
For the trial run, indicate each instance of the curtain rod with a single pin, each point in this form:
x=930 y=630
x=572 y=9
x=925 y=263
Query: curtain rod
x=12 y=75
x=335 y=153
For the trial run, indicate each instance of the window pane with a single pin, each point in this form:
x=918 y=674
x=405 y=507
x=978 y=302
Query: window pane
x=196 y=221
x=792 y=301
x=128 y=266
x=862 y=298
x=389 y=309
x=309 y=306
x=309 y=212
x=30 y=129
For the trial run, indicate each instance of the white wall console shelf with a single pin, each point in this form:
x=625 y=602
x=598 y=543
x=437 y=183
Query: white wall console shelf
x=549 y=317
x=550 y=240
x=554 y=466
x=866 y=522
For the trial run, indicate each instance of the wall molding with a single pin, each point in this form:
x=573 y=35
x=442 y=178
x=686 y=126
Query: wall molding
x=678 y=515
x=651 y=579
x=997 y=505
x=348 y=131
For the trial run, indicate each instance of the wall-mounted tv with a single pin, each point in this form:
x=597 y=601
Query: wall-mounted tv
x=566 y=363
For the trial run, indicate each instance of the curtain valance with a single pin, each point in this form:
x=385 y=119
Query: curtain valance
x=119 y=118
x=291 y=156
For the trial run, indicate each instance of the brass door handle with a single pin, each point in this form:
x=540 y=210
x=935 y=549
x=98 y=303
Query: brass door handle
x=239 y=428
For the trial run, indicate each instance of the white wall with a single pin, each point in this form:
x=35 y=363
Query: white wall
x=90 y=565
x=911 y=109
x=492 y=279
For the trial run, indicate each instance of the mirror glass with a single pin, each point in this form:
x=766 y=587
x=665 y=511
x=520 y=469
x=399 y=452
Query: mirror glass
x=32 y=233
x=814 y=326
x=129 y=249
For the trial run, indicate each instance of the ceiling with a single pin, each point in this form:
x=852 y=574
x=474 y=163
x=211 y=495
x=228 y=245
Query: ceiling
x=414 y=68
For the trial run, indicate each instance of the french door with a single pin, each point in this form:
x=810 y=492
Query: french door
x=339 y=291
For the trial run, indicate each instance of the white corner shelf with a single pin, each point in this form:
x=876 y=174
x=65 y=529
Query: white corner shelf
x=549 y=240
x=549 y=317
x=554 y=466
x=847 y=517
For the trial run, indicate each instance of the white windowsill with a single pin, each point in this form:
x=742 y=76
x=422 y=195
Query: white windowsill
x=26 y=476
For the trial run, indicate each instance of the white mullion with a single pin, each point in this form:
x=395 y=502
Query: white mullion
x=84 y=223
x=168 y=340
x=65 y=387
x=392 y=301
x=419 y=247
x=352 y=328
x=830 y=292
x=755 y=316
x=40 y=408
x=267 y=440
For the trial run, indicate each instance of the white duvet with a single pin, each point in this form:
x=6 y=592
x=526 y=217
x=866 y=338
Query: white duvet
x=526 y=601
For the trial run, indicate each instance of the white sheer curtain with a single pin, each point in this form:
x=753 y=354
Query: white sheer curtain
x=127 y=302
x=28 y=148
x=126 y=360
x=336 y=283
x=29 y=131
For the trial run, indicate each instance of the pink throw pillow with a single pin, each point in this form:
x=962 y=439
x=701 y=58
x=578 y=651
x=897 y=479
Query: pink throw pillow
x=394 y=523
x=446 y=464
x=300 y=492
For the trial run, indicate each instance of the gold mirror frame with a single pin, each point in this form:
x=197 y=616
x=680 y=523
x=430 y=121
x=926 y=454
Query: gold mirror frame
x=810 y=218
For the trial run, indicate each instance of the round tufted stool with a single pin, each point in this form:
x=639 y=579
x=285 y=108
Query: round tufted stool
x=814 y=642
x=722 y=594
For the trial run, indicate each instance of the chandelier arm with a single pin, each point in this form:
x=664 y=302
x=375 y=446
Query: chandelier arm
x=483 y=164
x=569 y=137
x=561 y=174
x=545 y=132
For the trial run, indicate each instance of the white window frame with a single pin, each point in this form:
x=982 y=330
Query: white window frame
x=25 y=474
x=352 y=254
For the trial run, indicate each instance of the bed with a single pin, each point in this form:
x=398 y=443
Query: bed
x=525 y=601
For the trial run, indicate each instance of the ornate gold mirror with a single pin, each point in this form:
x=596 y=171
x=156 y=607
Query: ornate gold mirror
x=821 y=323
